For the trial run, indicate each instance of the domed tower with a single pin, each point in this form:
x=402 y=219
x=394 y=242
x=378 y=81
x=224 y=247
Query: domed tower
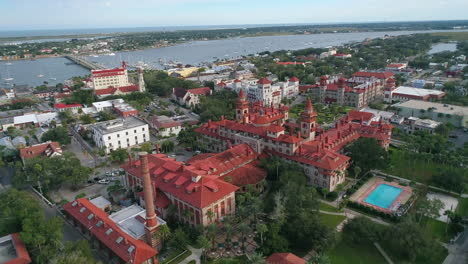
x=389 y=88
x=242 y=108
x=308 y=121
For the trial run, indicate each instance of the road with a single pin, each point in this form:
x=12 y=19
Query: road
x=458 y=251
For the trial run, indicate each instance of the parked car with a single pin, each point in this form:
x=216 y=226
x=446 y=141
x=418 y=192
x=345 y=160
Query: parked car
x=104 y=181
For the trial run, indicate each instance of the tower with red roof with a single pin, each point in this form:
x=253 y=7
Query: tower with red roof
x=308 y=121
x=389 y=88
x=242 y=108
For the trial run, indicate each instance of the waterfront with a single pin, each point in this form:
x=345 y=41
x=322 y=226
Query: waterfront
x=26 y=71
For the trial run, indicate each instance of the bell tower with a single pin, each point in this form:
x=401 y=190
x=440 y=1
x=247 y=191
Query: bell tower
x=308 y=122
x=242 y=108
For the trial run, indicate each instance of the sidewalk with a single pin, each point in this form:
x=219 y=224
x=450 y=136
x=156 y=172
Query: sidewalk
x=196 y=255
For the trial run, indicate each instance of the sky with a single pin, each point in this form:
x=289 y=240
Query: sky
x=63 y=14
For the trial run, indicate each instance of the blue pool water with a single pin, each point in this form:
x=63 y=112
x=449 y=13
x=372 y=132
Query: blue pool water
x=383 y=196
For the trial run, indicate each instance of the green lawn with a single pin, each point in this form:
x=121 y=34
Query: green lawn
x=329 y=208
x=462 y=207
x=344 y=253
x=438 y=230
x=410 y=168
x=331 y=220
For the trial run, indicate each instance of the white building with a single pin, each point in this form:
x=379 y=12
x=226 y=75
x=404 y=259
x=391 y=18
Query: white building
x=405 y=93
x=120 y=133
x=115 y=81
x=418 y=124
x=263 y=90
x=166 y=126
x=445 y=113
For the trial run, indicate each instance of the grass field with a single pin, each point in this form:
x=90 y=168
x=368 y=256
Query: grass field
x=331 y=220
x=329 y=208
x=438 y=230
x=452 y=35
x=462 y=208
x=344 y=253
x=413 y=169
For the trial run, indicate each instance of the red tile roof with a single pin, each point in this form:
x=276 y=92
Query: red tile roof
x=45 y=149
x=358 y=115
x=379 y=75
x=198 y=91
x=129 y=89
x=175 y=178
x=284 y=258
x=109 y=90
x=294 y=79
x=99 y=224
x=264 y=80
x=179 y=92
x=62 y=106
x=21 y=251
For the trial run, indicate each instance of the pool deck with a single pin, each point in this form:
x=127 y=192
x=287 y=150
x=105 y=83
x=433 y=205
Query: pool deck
x=360 y=195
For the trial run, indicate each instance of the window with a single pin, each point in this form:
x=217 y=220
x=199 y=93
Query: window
x=82 y=210
x=109 y=231
x=143 y=129
x=118 y=240
x=118 y=135
x=108 y=137
x=126 y=133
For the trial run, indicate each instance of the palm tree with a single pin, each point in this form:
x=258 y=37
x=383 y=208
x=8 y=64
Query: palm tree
x=243 y=229
x=204 y=244
x=262 y=228
x=256 y=258
x=211 y=232
x=210 y=214
x=357 y=171
x=188 y=215
x=228 y=230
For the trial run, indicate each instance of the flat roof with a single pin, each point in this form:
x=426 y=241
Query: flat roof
x=416 y=91
x=132 y=220
x=7 y=249
x=427 y=123
x=100 y=202
x=437 y=107
x=116 y=125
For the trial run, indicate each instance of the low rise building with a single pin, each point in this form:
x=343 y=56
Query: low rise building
x=284 y=258
x=190 y=97
x=119 y=133
x=417 y=124
x=13 y=250
x=405 y=93
x=445 y=113
x=73 y=108
x=166 y=126
x=47 y=149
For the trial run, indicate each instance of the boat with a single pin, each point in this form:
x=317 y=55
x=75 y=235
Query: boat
x=52 y=78
x=40 y=75
x=95 y=56
x=8 y=79
x=8 y=63
x=111 y=54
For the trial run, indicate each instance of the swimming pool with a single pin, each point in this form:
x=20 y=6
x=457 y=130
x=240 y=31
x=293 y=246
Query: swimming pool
x=383 y=196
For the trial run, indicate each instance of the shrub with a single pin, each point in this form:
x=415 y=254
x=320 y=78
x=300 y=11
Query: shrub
x=81 y=195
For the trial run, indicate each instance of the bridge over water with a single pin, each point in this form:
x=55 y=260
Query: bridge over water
x=84 y=62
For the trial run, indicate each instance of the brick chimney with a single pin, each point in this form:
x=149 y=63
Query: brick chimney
x=151 y=220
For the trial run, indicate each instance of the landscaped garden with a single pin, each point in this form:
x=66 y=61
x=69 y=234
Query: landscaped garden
x=331 y=220
x=325 y=114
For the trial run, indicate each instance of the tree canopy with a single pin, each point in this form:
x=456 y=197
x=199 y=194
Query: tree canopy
x=59 y=134
x=367 y=154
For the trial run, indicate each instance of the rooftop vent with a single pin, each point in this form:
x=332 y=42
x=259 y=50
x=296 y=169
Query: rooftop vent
x=119 y=240
x=82 y=210
x=109 y=231
x=131 y=249
x=99 y=223
x=90 y=216
x=74 y=203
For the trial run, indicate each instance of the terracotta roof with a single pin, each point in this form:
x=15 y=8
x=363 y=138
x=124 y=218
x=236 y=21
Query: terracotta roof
x=109 y=90
x=190 y=183
x=294 y=79
x=130 y=88
x=284 y=258
x=179 y=92
x=264 y=80
x=22 y=255
x=237 y=81
x=358 y=115
x=108 y=232
x=222 y=84
x=250 y=173
x=45 y=149
x=62 y=106
x=198 y=91
x=379 y=75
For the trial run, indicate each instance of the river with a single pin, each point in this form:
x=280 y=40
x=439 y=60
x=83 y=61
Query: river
x=56 y=70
